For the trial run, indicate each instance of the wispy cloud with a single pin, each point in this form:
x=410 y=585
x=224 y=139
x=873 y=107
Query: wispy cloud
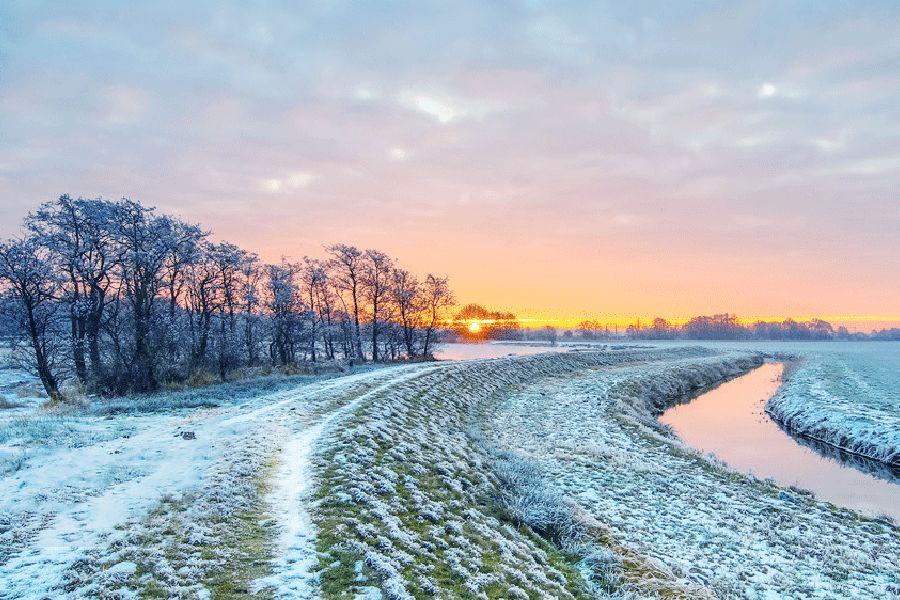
x=540 y=142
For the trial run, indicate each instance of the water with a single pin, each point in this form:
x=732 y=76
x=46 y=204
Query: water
x=730 y=423
x=493 y=350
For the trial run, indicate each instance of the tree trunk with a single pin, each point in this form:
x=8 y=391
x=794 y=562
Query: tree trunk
x=375 y=331
x=359 y=350
x=78 y=357
x=48 y=380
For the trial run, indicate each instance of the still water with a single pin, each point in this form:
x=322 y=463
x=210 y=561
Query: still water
x=730 y=423
x=493 y=350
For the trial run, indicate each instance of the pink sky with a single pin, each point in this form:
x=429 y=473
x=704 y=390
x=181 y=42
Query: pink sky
x=579 y=160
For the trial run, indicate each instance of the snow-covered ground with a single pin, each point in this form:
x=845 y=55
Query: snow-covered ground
x=103 y=491
x=414 y=502
x=20 y=392
x=540 y=476
x=703 y=526
x=848 y=396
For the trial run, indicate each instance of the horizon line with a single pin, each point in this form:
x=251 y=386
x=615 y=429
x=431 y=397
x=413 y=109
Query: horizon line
x=536 y=322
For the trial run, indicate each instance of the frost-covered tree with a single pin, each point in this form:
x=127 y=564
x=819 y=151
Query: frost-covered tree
x=145 y=242
x=408 y=298
x=249 y=282
x=123 y=299
x=312 y=277
x=438 y=299
x=377 y=267
x=346 y=264
x=287 y=311
x=79 y=236
x=329 y=315
x=203 y=300
x=228 y=264
x=28 y=275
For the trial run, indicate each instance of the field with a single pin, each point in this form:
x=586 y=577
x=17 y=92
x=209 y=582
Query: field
x=542 y=476
x=848 y=397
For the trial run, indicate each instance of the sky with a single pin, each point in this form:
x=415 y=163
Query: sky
x=560 y=160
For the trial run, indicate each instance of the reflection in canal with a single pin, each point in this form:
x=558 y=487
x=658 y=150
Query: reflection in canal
x=731 y=423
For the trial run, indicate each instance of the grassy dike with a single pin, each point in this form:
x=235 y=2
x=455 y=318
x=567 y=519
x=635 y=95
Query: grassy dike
x=411 y=503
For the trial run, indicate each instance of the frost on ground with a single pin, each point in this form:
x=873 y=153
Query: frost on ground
x=710 y=530
x=533 y=477
x=847 y=397
x=412 y=502
x=182 y=515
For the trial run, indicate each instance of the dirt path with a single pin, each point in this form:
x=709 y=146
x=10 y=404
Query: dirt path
x=68 y=506
x=292 y=575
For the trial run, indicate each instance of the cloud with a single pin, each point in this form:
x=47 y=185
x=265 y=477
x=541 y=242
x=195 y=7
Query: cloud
x=438 y=109
x=291 y=182
x=635 y=131
x=767 y=90
x=771 y=90
x=123 y=105
x=398 y=154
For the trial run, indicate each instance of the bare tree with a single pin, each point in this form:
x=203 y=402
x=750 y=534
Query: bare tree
x=286 y=309
x=250 y=279
x=347 y=265
x=408 y=298
x=203 y=300
x=79 y=234
x=312 y=277
x=228 y=260
x=145 y=241
x=326 y=308
x=438 y=298
x=25 y=268
x=124 y=299
x=184 y=255
x=377 y=278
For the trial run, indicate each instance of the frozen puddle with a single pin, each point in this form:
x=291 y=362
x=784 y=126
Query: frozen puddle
x=731 y=423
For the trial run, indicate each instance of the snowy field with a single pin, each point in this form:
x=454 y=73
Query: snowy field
x=543 y=476
x=704 y=528
x=164 y=501
x=847 y=396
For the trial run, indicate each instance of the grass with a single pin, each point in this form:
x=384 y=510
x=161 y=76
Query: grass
x=612 y=567
x=239 y=554
x=42 y=428
x=216 y=393
x=339 y=572
x=6 y=403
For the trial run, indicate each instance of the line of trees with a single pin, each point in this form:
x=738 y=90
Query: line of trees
x=492 y=324
x=120 y=299
x=728 y=327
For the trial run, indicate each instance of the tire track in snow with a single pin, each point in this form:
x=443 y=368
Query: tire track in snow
x=74 y=526
x=296 y=554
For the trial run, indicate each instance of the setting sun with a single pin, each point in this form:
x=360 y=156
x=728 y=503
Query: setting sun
x=518 y=299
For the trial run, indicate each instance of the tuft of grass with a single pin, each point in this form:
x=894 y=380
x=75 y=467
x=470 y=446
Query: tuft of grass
x=38 y=428
x=5 y=403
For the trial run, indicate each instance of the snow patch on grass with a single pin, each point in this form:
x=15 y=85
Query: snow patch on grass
x=411 y=503
x=596 y=443
x=846 y=399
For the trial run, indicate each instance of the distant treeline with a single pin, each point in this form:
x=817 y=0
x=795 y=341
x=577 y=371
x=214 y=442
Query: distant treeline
x=117 y=298
x=728 y=327
x=497 y=325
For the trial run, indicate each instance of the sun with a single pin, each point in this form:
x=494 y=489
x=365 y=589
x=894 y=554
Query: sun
x=474 y=327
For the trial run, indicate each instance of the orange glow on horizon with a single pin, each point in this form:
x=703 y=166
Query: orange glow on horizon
x=852 y=323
